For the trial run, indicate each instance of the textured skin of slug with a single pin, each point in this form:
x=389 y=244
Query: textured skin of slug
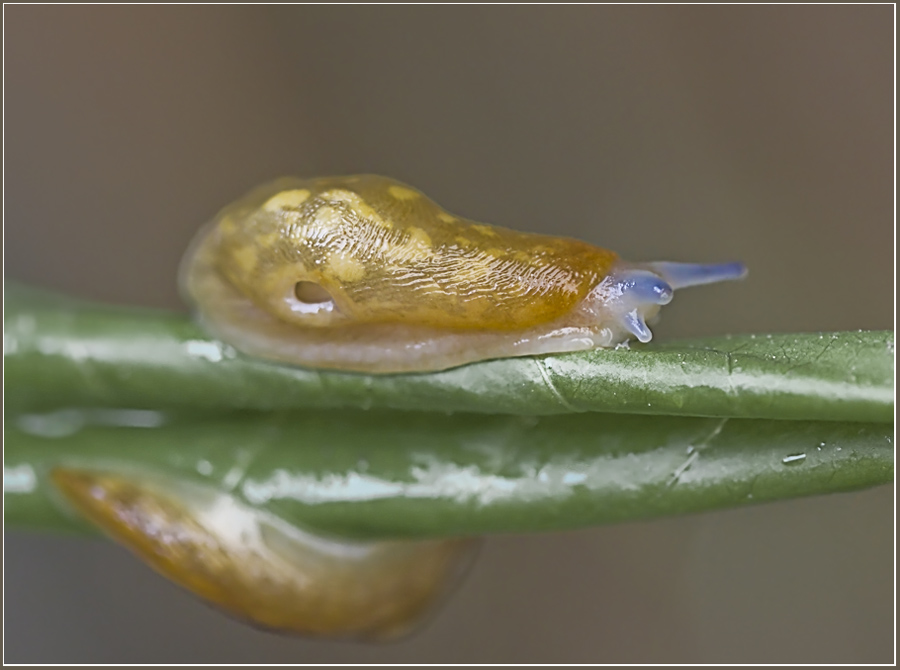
x=388 y=254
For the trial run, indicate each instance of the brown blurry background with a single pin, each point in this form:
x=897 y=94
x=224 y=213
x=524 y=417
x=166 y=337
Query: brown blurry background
x=684 y=133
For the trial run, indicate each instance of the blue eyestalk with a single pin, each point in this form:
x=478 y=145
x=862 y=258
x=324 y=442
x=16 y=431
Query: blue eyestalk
x=643 y=286
x=682 y=275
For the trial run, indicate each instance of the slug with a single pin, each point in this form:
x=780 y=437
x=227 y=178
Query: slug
x=366 y=274
x=261 y=569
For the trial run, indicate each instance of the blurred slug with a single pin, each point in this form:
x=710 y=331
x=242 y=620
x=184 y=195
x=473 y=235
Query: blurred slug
x=367 y=274
x=259 y=568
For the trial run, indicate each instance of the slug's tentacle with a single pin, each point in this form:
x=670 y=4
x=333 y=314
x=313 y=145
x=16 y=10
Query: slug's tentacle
x=644 y=287
x=683 y=275
x=635 y=325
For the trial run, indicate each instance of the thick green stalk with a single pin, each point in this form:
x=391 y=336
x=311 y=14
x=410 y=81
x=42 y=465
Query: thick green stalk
x=389 y=474
x=518 y=445
x=61 y=353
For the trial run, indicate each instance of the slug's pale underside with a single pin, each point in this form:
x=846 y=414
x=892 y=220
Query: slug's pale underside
x=367 y=274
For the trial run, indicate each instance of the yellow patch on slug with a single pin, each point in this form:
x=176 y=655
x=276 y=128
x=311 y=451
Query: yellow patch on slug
x=346 y=268
x=356 y=204
x=446 y=218
x=328 y=217
x=228 y=226
x=412 y=253
x=270 y=240
x=419 y=237
x=286 y=200
x=246 y=258
x=340 y=195
x=485 y=230
x=477 y=270
x=402 y=193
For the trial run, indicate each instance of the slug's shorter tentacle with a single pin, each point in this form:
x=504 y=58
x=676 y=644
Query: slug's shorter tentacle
x=683 y=275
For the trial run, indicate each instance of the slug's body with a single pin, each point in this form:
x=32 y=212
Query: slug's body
x=364 y=273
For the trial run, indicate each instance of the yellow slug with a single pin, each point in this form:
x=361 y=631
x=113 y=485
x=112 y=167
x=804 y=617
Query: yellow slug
x=261 y=569
x=367 y=274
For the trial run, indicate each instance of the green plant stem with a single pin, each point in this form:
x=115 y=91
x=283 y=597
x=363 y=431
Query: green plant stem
x=414 y=474
x=526 y=444
x=62 y=353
